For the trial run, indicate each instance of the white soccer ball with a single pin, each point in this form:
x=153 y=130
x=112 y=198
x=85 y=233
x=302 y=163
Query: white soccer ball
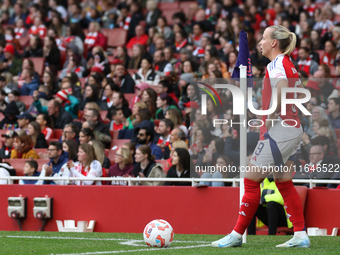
x=158 y=233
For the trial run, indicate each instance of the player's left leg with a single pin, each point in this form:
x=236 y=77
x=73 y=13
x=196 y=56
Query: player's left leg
x=293 y=206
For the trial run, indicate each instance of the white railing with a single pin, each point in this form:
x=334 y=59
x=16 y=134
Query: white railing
x=131 y=180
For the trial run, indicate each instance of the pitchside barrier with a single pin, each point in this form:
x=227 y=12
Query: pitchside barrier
x=190 y=210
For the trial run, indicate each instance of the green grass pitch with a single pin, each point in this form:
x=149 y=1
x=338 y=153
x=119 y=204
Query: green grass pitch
x=112 y=243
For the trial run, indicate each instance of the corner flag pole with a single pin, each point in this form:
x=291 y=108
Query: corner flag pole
x=243 y=135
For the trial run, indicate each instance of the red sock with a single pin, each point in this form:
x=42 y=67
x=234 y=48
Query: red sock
x=292 y=204
x=249 y=205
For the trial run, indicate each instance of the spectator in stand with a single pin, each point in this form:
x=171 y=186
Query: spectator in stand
x=70 y=132
x=145 y=136
x=4 y=19
x=163 y=28
x=23 y=148
x=109 y=89
x=153 y=13
x=330 y=54
x=71 y=147
x=10 y=38
x=149 y=97
x=94 y=115
x=139 y=88
x=10 y=120
x=38 y=28
x=85 y=135
x=140 y=38
x=10 y=63
x=95 y=37
x=73 y=66
x=30 y=84
x=132 y=121
x=123 y=79
x=190 y=92
x=123 y=166
x=232 y=62
x=87 y=166
x=56 y=111
x=160 y=64
x=334 y=112
x=99 y=151
x=147 y=167
x=222 y=163
x=181 y=164
x=169 y=56
x=196 y=38
x=163 y=130
x=45 y=125
x=163 y=103
x=119 y=102
x=38 y=138
x=122 y=54
x=23 y=120
x=138 y=52
x=180 y=41
x=224 y=30
x=305 y=63
x=257 y=58
x=57 y=157
x=306 y=42
x=51 y=52
x=18 y=14
x=75 y=37
x=31 y=169
x=5 y=151
x=57 y=24
x=324 y=84
x=117 y=122
x=14 y=96
x=165 y=86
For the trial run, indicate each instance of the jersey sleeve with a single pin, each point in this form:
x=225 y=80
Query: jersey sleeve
x=276 y=72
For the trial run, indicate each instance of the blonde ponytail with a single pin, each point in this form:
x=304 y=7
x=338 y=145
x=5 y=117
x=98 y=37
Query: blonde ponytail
x=286 y=39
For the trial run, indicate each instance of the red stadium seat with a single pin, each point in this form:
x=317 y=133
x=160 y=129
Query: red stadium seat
x=132 y=71
x=2 y=116
x=337 y=17
x=112 y=154
x=63 y=58
x=39 y=65
x=58 y=133
x=23 y=41
x=116 y=37
x=82 y=82
x=107 y=152
x=337 y=132
x=18 y=164
x=333 y=71
x=166 y=6
x=156 y=122
x=27 y=100
x=129 y=97
x=41 y=150
x=118 y=142
x=105 y=31
x=168 y=15
x=130 y=52
x=164 y=163
x=103 y=115
x=185 y=6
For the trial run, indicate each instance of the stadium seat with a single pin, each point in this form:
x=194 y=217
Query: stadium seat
x=116 y=37
x=106 y=31
x=39 y=65
x=168 y=15
x=107 y=152
x=82 y=82
x=23 y=41
x=156 y=122
x=27 y=100
x=333 y=71
x=58 y=133
x=337 y=132
x=129 y=96
x=132 y=71
x=118 y=142
x=111 y=154
x=321 y=53
x=166 y=6
x=41 y=150
x=103 y=115
x=18 y=164
x=164 y=163
x=63 y=58
x=185 y=6
x=2 y=116
x=337 y=17
x=130 y=52
x=302 y=191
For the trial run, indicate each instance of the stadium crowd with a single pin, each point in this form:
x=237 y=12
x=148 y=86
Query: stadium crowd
x=100 y=109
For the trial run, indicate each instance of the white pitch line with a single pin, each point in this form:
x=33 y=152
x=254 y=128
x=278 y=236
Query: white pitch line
x=147 y=249
x=92 y=239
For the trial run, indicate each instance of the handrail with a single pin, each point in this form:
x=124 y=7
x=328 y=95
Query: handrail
x=130 y=180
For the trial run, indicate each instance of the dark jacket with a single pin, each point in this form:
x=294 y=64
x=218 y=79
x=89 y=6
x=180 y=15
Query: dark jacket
x=127 y=85
x=13 y=19
x=3 y=152
x=41 y=142
x=53 y=58
x=11 y=110
x=27 y=89
x=103 y=128
x=154 y=17
x=126 y=111
x=15 y=67
x=62 y=119
x=33 y=53
x=61 y=161
x=173 y=174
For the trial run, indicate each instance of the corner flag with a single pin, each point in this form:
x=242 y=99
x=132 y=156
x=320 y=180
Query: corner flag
x=243 y=58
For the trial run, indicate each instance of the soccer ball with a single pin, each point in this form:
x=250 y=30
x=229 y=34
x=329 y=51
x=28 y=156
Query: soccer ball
x=158 y=233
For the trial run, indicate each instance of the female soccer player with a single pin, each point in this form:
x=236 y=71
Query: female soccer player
x=276 y=146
